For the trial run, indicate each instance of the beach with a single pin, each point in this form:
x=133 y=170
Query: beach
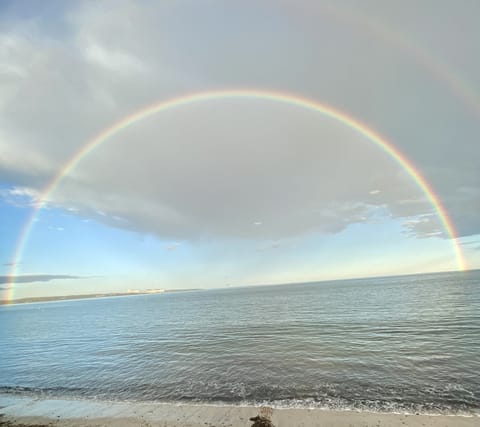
x=34 y=411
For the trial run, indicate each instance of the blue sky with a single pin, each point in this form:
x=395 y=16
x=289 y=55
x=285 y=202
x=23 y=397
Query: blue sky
x=234 y=192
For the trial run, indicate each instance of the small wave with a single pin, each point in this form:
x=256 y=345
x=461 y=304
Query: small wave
x=377 y=406
x=326 y=403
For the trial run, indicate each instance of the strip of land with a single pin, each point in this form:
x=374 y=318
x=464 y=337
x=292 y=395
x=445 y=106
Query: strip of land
x=31 y=411
x=86 y=296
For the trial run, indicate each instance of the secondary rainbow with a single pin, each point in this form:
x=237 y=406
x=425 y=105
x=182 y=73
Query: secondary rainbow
x=250 y=94
x=401 y=40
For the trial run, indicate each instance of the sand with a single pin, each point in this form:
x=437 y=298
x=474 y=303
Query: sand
x=31 y=411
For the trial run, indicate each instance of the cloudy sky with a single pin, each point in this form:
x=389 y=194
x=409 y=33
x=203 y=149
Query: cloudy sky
x=235 y=191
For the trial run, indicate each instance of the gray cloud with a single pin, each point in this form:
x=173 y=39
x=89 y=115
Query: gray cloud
x=218 y=168
x=30 y=278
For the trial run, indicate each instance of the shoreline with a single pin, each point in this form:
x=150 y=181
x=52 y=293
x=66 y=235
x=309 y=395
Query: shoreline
x=18 y=410
x=59 y=298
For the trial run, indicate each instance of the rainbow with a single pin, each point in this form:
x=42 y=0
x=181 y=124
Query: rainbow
x=185 y=100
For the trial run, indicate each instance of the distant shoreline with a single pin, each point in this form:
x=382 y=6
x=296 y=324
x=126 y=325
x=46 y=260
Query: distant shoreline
x=321 y=281
x=88 y=296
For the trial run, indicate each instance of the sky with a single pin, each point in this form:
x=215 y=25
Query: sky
x=234 y=191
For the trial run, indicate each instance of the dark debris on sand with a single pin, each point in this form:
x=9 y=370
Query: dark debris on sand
x=259 y=421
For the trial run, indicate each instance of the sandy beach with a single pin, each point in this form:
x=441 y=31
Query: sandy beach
x=31 y=411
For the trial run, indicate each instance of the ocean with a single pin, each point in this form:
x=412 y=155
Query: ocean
x=396 y=344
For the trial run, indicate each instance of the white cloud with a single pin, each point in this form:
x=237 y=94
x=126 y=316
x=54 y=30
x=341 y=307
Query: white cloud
x=21 y=196
x=173 y=247
x=427 y=225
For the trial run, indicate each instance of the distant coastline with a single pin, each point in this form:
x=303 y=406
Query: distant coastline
x=91 y=296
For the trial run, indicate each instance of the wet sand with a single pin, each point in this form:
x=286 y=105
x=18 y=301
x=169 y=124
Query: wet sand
x=30 y=411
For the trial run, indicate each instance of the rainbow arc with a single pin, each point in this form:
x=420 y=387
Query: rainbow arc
x=285 y=98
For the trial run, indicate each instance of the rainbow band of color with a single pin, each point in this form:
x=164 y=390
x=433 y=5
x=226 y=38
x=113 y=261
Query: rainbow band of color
x=181 y=101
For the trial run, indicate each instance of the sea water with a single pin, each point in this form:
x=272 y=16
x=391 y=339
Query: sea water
x=403 y=344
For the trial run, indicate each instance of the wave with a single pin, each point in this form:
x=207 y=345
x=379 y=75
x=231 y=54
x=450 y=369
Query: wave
x=396 y=406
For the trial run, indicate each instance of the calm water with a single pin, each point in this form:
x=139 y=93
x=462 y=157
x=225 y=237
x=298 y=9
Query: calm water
x=402 y=344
